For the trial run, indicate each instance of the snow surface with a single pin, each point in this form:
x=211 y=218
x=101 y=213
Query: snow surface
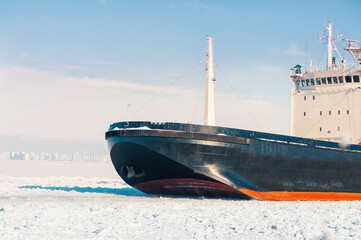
x=65 y=207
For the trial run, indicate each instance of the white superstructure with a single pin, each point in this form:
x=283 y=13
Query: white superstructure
x=327 y=104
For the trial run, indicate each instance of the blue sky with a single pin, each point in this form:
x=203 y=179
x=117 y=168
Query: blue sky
x=77 y=64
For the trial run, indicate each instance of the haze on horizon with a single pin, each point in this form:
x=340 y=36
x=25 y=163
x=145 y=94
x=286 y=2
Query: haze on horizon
x=68 y=69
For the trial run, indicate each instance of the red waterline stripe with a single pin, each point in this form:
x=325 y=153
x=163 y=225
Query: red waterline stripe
x=301 y=196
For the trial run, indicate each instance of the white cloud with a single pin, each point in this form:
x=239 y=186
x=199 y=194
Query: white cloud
x=62 y=67
x=294 y=50
x=50 y=105
x=270 y=69
x=202 y=6
x=106 y=63
x=26 y=57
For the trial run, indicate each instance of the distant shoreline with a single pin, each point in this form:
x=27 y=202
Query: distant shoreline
x=46 y=168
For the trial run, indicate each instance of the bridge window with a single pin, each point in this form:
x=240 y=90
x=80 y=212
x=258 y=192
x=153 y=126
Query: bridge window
x=318 y=81
x=303 y=83
x=304 y=114
x=313 y=97
x=320 y=113
x=323 y=80
x=298 y=83
x=335 y=80
x=348 y=111
x=329 y=112
x=340 y=79
x=308 y=82
x=329 y=80
x=348 y=79
x=312 y=82
x=320 y=129
x=339 y=112
x=356 y=79
x=304 y=98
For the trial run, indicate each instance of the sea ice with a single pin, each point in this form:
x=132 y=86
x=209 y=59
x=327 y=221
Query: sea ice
x=65 y=207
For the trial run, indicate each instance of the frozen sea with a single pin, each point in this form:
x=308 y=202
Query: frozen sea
x=67 y=200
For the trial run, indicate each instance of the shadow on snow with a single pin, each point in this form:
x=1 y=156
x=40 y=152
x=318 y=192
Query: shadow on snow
x=116 y=191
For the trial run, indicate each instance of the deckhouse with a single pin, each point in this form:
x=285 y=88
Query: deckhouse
x=326 y=103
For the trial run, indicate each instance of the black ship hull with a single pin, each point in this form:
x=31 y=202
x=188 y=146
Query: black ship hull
x=196 y=160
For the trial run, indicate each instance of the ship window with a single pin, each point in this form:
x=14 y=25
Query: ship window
x=304 y=114
x=338 y=129
x=329 y=112
x=340 y=79
x=312 y=82
x=323 y=80
x=348 y=79
x=304 y=98
x=309 y=83
x=318 y=81
x=313 y=97
x=348 y=111
x=335 y=80
x=298 y=83
x=356 y=78
x=320 y=129
x=339 y=112
x=303 y=83
x=321 y=113
x=329 y=80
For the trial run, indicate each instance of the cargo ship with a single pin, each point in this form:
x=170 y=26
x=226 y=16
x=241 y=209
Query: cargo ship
x=321 y=160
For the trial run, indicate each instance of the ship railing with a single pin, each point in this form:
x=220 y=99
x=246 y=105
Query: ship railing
x=323 y=68
x=295 y=71
x=262 y=136
x=337 y=148
x=283 y=139
x=279 y=141
x=133 y=132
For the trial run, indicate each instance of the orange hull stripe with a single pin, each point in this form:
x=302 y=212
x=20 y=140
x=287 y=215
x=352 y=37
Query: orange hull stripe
x=301 y=196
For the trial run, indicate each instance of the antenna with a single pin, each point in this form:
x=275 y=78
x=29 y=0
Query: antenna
x=353 y=46
x=310 y=65
x=128 y=108
x=330 y=44
x=306 y=51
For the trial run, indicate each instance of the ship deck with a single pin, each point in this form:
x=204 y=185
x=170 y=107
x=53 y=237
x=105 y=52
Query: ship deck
x=215 y=133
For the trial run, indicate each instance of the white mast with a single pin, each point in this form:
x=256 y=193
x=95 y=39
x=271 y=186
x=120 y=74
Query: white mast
x=310 y=65
x=330 y=44
x=329 y=47
x=128 y=108
x=209 y=114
